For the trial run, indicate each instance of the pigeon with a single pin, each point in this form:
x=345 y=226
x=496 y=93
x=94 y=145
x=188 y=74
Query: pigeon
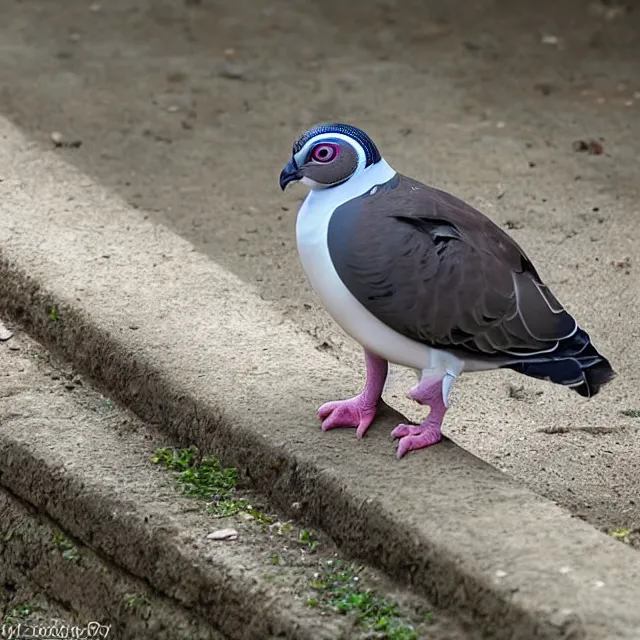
x=423 y=280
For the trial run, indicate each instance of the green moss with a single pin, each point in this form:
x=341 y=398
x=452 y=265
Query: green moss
x=620 y=534
x=135 y=601
x=206 y=479
x=285 y=528
x=138 y=604
x=631 y=413
x=202 y=479
x=20 y=612
x=54 y=313
x=307 y=538
x=337 y=588
x=68 y=549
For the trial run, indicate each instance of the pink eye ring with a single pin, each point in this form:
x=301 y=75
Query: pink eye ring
x=325 y=152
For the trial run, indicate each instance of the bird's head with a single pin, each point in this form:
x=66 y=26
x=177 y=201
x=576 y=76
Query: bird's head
x=328 y=155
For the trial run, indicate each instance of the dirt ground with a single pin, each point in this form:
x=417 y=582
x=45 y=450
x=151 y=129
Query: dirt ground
x=188 y=111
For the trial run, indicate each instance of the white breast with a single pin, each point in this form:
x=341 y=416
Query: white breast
x=355 y=320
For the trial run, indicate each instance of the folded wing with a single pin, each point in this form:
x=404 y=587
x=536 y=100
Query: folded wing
x=439 y=272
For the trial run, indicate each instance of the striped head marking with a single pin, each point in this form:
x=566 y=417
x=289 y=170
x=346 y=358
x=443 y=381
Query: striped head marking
x=328 y=155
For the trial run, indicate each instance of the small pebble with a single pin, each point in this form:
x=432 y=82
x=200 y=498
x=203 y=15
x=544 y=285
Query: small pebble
x=5 y=334
x=624 y=263
x=223 y=534
x=593 y=147
x=59 y=140
x=550 y=39
x=232 y=72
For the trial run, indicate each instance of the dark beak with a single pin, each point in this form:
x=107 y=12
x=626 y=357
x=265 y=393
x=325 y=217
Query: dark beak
x=290 y=173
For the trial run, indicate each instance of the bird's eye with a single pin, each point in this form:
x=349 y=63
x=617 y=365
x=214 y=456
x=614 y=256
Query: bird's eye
x=325 y=152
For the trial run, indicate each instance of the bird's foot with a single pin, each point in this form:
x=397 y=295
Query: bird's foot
x=354 y=412
x=429 y=393
x=413 y=437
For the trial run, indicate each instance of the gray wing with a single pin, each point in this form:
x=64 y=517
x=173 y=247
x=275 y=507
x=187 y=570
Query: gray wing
x=439 y=272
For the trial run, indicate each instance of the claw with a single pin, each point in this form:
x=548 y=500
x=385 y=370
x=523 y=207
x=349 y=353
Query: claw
x=347 y=413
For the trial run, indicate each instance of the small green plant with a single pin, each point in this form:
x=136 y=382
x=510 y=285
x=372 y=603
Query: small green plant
x=631 y=413
x=68 y=549
x=275 y=559
x=263 y=519
x=207 y=479
x=54 y=313
x=138 y=604
x=202 y=479
x=307 y=538
x=226 y=508
x=337 y=587
x=20 y=612
x=136 y=601
x=620 y=534
x=282 y=528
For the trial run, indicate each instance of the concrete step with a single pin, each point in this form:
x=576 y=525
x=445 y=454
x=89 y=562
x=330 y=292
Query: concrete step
x=192 y=349
x=108 y=533
x=37 y=559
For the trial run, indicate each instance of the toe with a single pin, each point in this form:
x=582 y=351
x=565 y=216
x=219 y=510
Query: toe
x=332 y=421
x=366 y=419
x=341 y=414
x=422 y=440
x=403 y=430
x=326 y=409
x=347 y=413
x=403 y=447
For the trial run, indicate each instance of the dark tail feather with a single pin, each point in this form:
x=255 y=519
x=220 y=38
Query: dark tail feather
x=575 y=363
x=597 y=376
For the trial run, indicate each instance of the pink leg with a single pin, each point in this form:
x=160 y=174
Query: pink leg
x=428 y=392
x=359 y=411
